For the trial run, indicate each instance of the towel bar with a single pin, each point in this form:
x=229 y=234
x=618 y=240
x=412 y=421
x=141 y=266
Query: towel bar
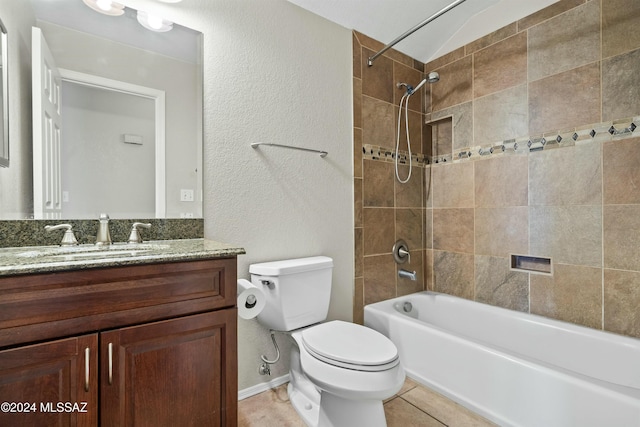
x=321 y=152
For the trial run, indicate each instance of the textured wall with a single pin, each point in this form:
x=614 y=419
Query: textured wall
x=276 y=73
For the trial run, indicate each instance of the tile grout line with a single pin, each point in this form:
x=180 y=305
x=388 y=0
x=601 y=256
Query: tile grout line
x=423 y=411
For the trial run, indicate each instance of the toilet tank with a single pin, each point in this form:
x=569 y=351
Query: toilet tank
x=297 y=291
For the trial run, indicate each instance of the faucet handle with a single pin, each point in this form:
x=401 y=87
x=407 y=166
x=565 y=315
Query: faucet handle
x=68 y=239
x=401 y=252
x=135 y=236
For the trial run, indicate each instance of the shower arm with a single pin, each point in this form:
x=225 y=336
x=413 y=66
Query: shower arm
x=413 y=30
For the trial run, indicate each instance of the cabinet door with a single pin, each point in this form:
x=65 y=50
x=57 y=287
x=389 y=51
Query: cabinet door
x=56 y=382
x=178 y=372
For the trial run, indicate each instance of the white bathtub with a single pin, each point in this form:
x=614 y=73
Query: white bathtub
x=513 y=368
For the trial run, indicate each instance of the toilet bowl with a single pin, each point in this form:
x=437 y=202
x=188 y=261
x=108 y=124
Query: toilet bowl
x=353 y=369
x=340 y=372
x=350 y=378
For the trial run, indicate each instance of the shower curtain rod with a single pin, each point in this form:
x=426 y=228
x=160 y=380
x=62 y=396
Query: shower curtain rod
x=414 y=29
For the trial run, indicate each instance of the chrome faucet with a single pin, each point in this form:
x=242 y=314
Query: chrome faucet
x=68 y=239
x=103 y=237
x=411 y=275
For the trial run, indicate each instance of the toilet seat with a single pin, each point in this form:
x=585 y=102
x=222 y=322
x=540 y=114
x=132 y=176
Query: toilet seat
x=350 y=346
x=352 y=383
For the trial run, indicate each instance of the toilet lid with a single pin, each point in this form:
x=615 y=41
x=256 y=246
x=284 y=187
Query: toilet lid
x=351 y=346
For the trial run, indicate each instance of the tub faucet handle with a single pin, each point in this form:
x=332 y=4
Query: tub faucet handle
x=401 y=252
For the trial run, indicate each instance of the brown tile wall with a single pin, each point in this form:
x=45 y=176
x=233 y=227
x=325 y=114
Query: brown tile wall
x=385 y=210
x=567 y=69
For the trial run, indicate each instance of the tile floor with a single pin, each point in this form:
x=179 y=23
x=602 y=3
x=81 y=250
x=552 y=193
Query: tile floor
x=414 y=405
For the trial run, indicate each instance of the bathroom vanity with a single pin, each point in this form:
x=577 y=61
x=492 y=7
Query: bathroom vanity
x=140 y=338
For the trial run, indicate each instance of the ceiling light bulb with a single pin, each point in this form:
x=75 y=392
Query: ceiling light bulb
x=106 y=7
x=104 y=4
x=154 y=21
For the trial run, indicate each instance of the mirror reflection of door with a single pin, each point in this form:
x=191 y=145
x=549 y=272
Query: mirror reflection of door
x=108 y=135
x=113 y=131
x=47 y=129
x=113 y=148
x=116 y=48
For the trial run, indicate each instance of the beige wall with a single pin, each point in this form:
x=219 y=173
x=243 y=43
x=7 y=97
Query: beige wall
x=568 y=69
x=277 y=73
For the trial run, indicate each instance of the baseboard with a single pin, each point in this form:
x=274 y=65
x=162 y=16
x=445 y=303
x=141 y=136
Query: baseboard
x=259 y=388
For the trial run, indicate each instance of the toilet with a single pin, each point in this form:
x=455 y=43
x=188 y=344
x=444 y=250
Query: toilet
x=340 y=372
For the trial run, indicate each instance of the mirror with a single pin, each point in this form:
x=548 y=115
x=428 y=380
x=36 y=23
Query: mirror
x=112 y=156
x=4 y=104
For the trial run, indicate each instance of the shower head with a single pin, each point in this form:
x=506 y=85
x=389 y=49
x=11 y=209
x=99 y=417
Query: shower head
x=433 y=77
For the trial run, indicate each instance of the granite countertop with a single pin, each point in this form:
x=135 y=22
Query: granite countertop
x=46 y=259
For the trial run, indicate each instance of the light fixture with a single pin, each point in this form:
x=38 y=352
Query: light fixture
x=154 y=22
x=106 y=7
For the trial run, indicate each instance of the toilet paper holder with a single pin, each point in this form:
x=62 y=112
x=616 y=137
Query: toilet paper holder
x=251 y=301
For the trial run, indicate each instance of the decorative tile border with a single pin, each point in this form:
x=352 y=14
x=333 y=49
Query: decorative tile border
x=599 y=132
x=375 y=152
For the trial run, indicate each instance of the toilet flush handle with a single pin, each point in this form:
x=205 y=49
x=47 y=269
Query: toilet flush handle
x=267 y=283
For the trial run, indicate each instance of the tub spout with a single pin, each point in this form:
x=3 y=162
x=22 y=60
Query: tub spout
x=407 y=274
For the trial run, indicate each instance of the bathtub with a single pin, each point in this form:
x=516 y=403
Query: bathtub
x=515 y=369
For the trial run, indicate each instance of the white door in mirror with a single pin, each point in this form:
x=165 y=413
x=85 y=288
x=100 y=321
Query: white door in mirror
x=47 y=129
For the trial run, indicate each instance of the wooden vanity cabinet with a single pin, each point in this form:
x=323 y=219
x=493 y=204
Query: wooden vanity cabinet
x=146 y=345
x=170 y=373
x=34 y=378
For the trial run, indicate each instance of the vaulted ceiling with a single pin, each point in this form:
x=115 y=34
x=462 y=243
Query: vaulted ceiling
x=385 y=20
